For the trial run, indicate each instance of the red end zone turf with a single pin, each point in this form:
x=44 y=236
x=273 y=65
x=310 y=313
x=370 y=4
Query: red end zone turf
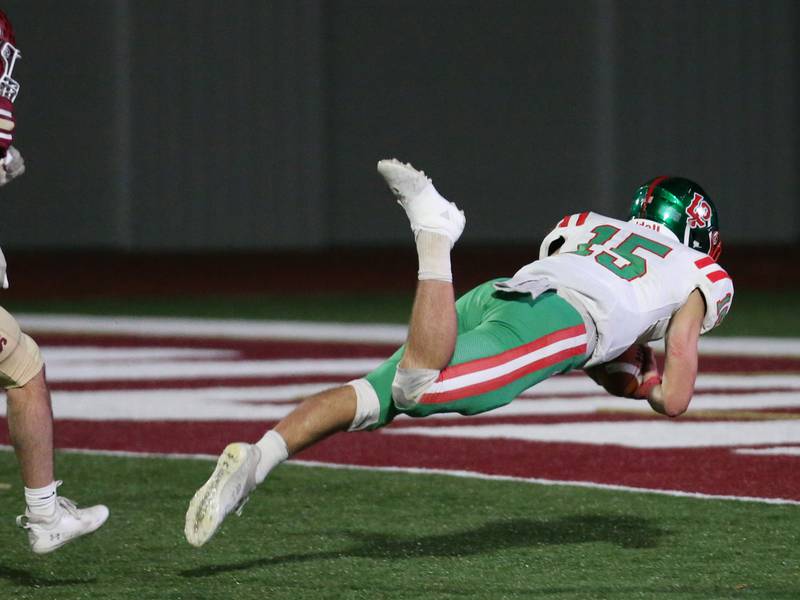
x=720 y=470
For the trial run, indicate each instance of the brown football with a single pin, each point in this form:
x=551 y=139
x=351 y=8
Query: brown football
x=622 y=375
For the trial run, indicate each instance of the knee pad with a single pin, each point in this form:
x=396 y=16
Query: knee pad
x=20 y=359
x=368 y=406
x=409 y=385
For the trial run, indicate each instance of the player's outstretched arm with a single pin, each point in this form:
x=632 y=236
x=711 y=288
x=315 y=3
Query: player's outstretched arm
x=672 y=395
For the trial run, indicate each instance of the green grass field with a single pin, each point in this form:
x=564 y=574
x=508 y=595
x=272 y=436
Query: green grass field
x=321 y=533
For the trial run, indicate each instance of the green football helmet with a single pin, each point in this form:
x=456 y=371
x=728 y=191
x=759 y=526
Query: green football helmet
x=682 y=207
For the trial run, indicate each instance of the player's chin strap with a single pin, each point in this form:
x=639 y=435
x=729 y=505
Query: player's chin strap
x=644 y=389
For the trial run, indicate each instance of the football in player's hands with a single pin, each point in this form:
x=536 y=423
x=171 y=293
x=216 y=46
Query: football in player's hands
x=621 y=376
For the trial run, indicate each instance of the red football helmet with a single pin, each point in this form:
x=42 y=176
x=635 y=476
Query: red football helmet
x=9 y=54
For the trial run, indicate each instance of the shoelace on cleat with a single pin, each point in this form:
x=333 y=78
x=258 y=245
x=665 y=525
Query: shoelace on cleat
x=69 y=506
x=240 y=506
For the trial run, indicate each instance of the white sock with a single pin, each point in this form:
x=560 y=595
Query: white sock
x=42 y=501
x=433 y=250
x=273 y=452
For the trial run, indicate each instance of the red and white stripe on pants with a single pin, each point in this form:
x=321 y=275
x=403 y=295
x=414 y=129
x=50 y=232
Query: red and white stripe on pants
x=487 y=374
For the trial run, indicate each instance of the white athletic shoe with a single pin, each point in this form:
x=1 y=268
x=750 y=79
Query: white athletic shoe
x=68 y=523
x=426 y=208
x=226 y=491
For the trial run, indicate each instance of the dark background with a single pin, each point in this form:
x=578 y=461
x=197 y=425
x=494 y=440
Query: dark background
x=166 y=125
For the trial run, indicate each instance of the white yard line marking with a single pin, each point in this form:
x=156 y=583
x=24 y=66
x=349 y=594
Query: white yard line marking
x=579 y=383
x=606 y=403
x=750 y=346
x=204 y=369
x=447 y=473
x=558 y=482
x=95 y=354
x=213 y=328
x=629 y=434
x=205 y=404
x=312 y=331
x=775 y=451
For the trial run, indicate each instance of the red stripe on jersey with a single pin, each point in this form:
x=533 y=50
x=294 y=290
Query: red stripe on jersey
x=489 y=362
x=582 y=219
x=494 y=384
x=704 y=262
x=717 y=275
x=564 y=222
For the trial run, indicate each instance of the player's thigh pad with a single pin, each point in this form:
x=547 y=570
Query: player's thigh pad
x=20 y=358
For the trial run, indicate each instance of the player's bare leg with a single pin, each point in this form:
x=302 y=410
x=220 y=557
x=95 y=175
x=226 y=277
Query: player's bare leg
x=436 y=224
x=432 y=328
x=317 y=417
x=30 y=426
x=51 y=520
x=241 y=466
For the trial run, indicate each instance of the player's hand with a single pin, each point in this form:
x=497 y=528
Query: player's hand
x=650 y=377
x=7 y=124
x=12 y=166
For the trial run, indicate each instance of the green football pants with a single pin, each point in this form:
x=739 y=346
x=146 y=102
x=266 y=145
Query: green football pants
x=507 y=342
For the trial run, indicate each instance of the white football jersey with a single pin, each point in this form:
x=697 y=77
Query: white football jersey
x=629 y=277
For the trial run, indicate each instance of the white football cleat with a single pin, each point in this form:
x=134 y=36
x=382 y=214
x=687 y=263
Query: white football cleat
x=67 y=523
x=427 y=210
x=226 y=491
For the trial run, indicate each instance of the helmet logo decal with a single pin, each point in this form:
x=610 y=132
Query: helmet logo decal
x=699 y=212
